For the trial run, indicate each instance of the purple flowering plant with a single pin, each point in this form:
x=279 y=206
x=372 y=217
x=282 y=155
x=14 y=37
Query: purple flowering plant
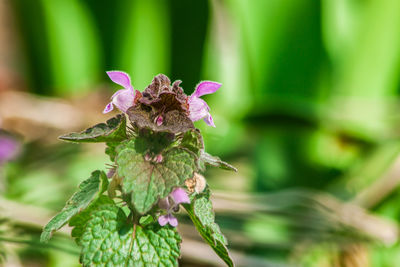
x=128 y=217
x=9 y=147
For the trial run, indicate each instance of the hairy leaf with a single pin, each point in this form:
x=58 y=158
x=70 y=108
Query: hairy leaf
x=148 y=181
x=114 y=130
x=201 y=213
x=78 y=222
x=193 y=141
x=145 y=220
x=88 y=190
x=160 y=95
x=110 y=149
x=153 y=142
x=215 y=161
x=110 y=240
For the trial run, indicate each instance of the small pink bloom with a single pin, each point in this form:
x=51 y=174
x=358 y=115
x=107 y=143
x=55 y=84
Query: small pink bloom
x=169 y=204
x=123 y=99
x=168 y=218
x=179 y=196
x=159 y=120
x=9 y=148
x=147 y=157
x=158 y=158
x=111 y=173
x=198 y=108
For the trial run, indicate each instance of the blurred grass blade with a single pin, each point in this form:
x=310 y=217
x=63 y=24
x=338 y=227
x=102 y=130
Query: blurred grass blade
x=366 y=76
x=143 y=35
x=73 y=46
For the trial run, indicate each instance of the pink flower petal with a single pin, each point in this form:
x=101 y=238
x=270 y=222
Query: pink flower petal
x=209 y=120
x=147 y=157
x=163 y=220
x=120 y=77
x=123 y=99
x=205 y=88
x=172 y=220
x=159 y=120
x=108 y=108
x=179 y=195
x=198 y=108
x=158 y=158
x=111 y=173
x=9 y=148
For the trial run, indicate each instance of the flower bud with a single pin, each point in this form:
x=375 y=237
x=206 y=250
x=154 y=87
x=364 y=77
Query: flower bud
x=159 y=120
x=147 y=157
x=158 y=158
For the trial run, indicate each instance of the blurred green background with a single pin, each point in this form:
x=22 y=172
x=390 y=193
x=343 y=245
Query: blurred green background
x=308 y=112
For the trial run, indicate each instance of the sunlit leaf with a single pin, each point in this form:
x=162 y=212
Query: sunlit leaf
x=148 y=181
x=113 y=130
x=88 y=190
x=201 y=212
x=216 y=161
x=109 y=239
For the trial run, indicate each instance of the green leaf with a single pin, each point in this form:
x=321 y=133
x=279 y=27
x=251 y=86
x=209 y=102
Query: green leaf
x=153 y=142
x=193 y=141
x=110 y=240
x=88 y=190
x=78 y=222
x=201 y=213
x=111 y=149
x=145 y=220
x=114 y=130
x=148 y=181
x=216 y=161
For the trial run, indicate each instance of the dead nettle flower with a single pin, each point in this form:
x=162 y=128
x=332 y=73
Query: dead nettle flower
x=198 y=108
x=159 y=120
x=158 y=158
x=111 y=173
x=9 y=148
x=124 y=98
x=171 y=204
x=147 y=157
